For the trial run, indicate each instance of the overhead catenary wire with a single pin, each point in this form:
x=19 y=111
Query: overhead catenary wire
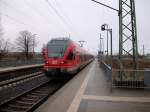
x=14 y=19
x=41 y=15
x=62 y=11
x=24 y=13
x=12 y=7
x=35 y=10
x=66 y=17
x=18 y=21
x=68 y=26
x=18 y=11
x=57 y=13
x=60 y=17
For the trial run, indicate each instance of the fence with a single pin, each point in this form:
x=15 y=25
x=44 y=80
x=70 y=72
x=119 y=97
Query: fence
x=127 y=78
x=107 y=70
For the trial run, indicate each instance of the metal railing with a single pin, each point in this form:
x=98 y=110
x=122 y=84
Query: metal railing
x=127 y=78
x=107 y=70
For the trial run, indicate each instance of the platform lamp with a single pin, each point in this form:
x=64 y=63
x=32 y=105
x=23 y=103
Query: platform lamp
x=103 y=28
x=101 y=44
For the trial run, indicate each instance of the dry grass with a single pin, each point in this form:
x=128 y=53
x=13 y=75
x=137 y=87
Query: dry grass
x=129 y=73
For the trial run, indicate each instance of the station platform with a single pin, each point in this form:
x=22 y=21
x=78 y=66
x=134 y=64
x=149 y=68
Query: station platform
x=8 y=69
x=90 y=91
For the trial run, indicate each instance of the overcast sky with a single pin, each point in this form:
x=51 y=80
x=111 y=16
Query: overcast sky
x=79 y=18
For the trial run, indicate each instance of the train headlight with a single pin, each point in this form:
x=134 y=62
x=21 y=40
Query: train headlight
x=62 y=62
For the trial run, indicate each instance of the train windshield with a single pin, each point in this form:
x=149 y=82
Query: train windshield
x=56 y=48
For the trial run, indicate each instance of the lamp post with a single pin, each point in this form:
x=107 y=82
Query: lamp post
x=110 y=30
x=101 y=51
x=106 y=25
x=101 y=44
x=103 y=28
x=126 y=10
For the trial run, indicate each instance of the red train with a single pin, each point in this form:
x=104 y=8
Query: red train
x=63 y=56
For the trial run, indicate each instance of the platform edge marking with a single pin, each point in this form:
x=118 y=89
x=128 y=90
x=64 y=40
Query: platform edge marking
x=117 y=99
x=77 y=99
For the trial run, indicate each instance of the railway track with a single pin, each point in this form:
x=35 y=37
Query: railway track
x=24 y=93
x=23 y=89
x=15 y=87
x=30 y=100
x=14 y=72
x=11 y=80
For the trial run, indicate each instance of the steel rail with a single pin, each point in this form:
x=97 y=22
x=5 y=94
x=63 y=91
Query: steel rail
x=19 y=78
x=30 y=100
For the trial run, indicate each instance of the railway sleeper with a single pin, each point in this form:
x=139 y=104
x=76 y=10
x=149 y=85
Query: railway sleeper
x=20 y=104
x=10 y=110
x=39 y=94
x=13 y=109
x=33 y=96
x=29 y=100
x=21 y=107
x=41 y=91
x=24 y=102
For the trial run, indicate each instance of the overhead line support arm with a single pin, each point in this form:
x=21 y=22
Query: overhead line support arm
x=105 y=5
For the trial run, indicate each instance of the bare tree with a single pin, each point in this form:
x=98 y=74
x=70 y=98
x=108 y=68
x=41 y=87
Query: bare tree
x=4 y=44
x=26 y=43
x=1 y=34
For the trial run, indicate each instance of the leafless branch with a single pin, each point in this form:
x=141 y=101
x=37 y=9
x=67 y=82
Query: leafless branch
x=26 y=43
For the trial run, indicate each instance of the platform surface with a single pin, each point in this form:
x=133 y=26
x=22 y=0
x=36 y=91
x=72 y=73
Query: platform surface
x=90 y=91
x=19 y=67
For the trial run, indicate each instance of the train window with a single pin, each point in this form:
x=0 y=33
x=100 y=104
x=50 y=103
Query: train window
x=58 y=42
x=82 y=57
x=56 y=48
x=70 y=56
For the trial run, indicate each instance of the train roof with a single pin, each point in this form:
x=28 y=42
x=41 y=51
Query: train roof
x=65 y=39
x=61 y=38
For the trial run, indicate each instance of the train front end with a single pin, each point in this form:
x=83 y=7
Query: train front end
x=59 y=58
